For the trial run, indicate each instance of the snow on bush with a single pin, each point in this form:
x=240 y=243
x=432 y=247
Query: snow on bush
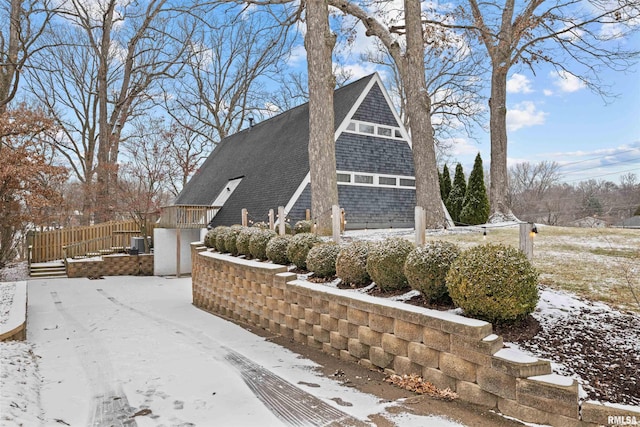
x=243 y=240
x=304 y=226
x=496 y=283
x=230 y=239
x=299 y=247
x=277 y=250
x=321 y=259
x=210 y=238
x=258 y=242
x=385 y=263
x=221 y=235
x=427 y=266
x=351 y=263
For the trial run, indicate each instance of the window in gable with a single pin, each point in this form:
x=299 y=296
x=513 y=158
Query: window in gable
x=385 y=180
x=384 y=131
x=363 y=179
x=351 y=126
x=407 y=182
x=366 y=128
x=344 y=177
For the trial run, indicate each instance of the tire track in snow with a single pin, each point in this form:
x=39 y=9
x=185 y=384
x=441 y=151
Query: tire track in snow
x=291 y=404
x=111 y=407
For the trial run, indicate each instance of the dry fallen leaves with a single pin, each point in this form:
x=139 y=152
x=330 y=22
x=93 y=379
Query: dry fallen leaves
x=418 y=385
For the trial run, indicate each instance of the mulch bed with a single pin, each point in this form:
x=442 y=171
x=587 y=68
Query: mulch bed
x=600 y=347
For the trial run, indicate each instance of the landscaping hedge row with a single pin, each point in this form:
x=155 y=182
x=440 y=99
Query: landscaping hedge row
x=496 y=283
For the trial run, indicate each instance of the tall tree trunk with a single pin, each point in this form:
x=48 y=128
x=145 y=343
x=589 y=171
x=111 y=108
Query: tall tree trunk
x=104 y=203
x=319 y=44
x=418 y=112
x=498 y=188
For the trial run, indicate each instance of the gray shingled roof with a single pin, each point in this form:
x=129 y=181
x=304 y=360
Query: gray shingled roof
x=272 y=157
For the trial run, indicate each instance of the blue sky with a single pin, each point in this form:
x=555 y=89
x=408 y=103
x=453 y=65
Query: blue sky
x=553 y=117
x=558 y=119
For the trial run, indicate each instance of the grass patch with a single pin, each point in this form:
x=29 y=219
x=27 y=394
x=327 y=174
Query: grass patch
x=600 y=264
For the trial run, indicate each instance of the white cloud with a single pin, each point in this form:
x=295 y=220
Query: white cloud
x=297 y=56
x=463 y=147
x=566 y=81
x=358 y=70
x=523 y=115
x=519 y=83
x=547 y=92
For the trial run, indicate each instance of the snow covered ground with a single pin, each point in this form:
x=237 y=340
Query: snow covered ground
x=99 y=351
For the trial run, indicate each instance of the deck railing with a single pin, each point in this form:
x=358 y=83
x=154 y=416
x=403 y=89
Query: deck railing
x=186 y=216
x=48 y=245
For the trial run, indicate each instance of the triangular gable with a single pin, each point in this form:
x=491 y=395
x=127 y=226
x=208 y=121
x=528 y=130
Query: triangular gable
x=272 y=157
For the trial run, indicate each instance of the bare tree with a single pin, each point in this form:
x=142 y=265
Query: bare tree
x=145 y=176
x=65 y=85
x=577 y=38
x=134 y=46
x=409 y=60
x=452 y=71
x=529 y=186
x=23 y=22
x=319 y=43
x=233 y=55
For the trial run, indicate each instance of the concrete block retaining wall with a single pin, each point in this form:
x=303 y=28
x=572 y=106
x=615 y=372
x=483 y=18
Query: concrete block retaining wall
x=15 y=327
x=448 y=350
x=111 y=265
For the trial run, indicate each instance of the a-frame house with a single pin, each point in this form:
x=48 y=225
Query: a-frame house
x=266 y=166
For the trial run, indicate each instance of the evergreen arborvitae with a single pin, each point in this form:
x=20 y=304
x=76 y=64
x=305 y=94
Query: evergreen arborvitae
x=445 y=183
x=456 y=195
x=475 y=209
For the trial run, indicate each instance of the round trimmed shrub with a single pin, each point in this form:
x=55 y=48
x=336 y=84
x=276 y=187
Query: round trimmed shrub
x=299 y=247
x=321 y=259
x=351 y=263
x=261 y=225
x=304 y=226
x=277 y=250
x=496 y=283
x=230 y=239
x=385 y=263
x=243 y=239
x=221 y=233
x=258 y=242
x=210 y=238
x=426 y=268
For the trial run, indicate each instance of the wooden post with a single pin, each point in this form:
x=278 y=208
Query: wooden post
x=526 y=239
x=421 y=225
x=245 y=214
x=271 y=220
x=177 y=252
x=343 y=220
x=307 y=215
x=281 y=219
x=336 y=219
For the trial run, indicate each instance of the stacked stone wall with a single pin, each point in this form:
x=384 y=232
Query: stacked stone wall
x=112 y=265
x=448 y=350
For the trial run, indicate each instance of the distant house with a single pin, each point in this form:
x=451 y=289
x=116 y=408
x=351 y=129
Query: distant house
x=633 y=222
x=267 y=165
x=589 y=222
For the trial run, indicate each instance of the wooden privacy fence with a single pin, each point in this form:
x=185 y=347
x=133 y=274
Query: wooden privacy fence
x=48 y=245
